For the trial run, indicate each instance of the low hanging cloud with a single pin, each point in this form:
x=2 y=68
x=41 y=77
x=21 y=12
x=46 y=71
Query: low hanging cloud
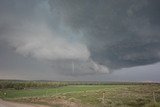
x=45 y=45
x=80 y=37
x=119 y=34
x=60 y=46
x=41 y=43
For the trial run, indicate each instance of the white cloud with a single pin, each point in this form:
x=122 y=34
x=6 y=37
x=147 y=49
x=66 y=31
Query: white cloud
x=41 y=43
x=42 y=35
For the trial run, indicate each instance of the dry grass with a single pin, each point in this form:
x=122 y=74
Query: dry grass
x=106 y=96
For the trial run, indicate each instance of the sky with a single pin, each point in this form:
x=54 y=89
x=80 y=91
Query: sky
x=81 y=40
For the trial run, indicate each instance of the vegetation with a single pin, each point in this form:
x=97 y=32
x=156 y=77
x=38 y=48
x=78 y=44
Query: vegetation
x=74 y=94
x=19 y=85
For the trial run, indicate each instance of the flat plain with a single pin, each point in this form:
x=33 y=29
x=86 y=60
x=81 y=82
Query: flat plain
x=134 y=95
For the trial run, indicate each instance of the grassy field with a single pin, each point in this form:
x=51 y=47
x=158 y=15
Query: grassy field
x=89 y=96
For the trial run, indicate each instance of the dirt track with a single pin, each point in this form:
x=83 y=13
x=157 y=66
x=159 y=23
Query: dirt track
x=13 y=104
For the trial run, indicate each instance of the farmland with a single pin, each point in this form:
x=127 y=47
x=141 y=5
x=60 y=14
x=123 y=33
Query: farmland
x=88 y=95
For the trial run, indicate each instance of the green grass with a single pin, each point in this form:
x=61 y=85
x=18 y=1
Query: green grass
x=44 y=92
x=90 y=95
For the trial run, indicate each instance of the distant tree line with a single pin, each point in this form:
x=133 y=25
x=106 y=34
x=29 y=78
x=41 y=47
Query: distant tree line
x=108 y=83
x=19 y=85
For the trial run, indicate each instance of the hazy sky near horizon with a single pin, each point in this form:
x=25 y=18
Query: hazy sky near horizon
x=97 y=40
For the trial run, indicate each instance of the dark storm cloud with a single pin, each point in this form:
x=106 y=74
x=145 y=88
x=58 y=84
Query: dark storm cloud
x=31 y=29
x=95 y=35
x=118 y=33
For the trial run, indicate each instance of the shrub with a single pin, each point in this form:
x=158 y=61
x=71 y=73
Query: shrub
x=152 y=104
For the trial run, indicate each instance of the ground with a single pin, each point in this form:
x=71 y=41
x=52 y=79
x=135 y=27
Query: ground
x=89 y=95
x=13 y=104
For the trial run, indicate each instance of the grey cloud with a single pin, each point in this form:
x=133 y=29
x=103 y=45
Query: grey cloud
x=38 y=33
x=79 y=67
x=118 y=34
x=97 y=35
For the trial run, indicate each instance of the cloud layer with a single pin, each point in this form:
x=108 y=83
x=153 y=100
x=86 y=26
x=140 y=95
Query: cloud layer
x=97 y=36
x=118 y=34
